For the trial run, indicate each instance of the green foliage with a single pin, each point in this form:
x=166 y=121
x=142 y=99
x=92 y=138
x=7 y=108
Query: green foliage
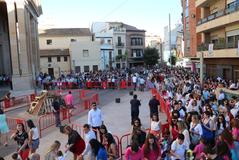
x=151 y=56
x=174 y=60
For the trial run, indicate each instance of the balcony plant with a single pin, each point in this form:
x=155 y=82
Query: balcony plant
x=203 y=47
x=220 y=44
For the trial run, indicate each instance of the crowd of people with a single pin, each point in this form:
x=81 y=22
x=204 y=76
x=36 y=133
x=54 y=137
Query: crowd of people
x=100 y=79
x=5 y=80
x=204 y=124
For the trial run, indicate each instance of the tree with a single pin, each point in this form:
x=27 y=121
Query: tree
x=151 y=56
x=174 y=59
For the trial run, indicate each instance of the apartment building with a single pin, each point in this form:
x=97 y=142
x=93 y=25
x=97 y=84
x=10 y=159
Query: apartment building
x=218 y=37
x=122 y=45
x=55 y=56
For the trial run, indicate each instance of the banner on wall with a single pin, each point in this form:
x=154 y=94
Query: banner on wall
x=210 y=49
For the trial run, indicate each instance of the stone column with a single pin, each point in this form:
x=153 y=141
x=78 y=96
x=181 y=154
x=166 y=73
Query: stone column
x=22 y=77
x=13 y=38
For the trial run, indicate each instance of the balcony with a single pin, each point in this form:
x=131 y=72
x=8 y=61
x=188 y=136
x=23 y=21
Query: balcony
x=119 y=44
x=218 y=19
x=200 y=3
x=222 y=53
x=220 y=50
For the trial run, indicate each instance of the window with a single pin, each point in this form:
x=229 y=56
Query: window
x=120 y=52
x=77 y=69
x=230 y=42
x=85 y=53
x=95 y=68
x=237 y=41
x=58 y=58
x=49 y=59
x=65 y=58
x=137 y=53
x=136 y=41
x=73 y=40
x=86 y=68
x=119 y=40
x=49 y=41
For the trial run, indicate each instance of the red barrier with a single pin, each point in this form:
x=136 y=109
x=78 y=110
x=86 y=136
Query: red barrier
x=48 y=120
x=154 y=91
x=12 y=123
x=88 y=84
x=104 y=85
x=123 y=84
x=64 y=85
x=16 y=102
x=70 y=85
x=96 y=85
x=117 y=141
x=165 y=106
x=32 y=97
x=86 y=103
x=164 y=127
x=129 y=84
x=124 y=145
x=82 y=93
x=7 y=103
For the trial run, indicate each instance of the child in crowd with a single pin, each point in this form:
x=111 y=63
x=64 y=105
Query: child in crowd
x=165 y=144
x=155 y=126
x=16 y=156
x=198 y=150
x=61 y=156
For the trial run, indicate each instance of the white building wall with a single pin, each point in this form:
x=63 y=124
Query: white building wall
x=59 y=67
x=60 y=42
x=77 y=57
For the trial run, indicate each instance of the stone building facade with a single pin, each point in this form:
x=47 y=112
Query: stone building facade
x=19 y=49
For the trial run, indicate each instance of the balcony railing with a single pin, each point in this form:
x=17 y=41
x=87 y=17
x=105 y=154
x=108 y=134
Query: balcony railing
x=120 y=44
x=220 y=13
x=217 y=46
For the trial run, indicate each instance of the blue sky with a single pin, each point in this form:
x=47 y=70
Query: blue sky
x=151 y=15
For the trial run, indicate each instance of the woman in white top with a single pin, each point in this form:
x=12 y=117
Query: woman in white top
x=183 y=130
x=193 y=107
x=195 y=130
x=155 y=126
x=33 y=135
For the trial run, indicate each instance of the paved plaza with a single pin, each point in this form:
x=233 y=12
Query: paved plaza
x=116 y=117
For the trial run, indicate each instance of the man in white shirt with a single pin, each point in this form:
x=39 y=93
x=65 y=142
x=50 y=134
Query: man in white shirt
x=95 y=119
x=178 y=148
x=134 y=80
x=89 y=134
x=235 y=106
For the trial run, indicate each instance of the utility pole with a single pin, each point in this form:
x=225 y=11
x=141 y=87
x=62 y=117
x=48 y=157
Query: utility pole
x=169 y=40
x=201 y=68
